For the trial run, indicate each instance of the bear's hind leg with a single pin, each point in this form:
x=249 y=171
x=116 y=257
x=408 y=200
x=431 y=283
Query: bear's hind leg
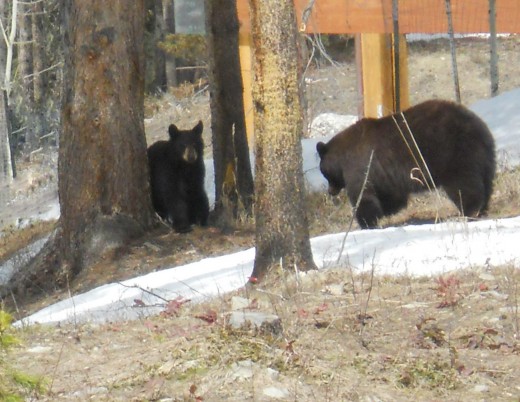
x=469 y=195
x=369 y=212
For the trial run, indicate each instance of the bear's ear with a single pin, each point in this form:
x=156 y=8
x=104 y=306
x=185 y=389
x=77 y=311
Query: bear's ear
x=197 y=130
x=173 y=131
x=321 y=148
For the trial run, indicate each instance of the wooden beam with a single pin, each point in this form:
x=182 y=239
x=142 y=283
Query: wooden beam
x=244 y=49
x=377 y=75
x=415 y=16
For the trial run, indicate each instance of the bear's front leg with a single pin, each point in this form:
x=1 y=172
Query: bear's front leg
x=199 y=208
x=369 y=212
x=179 y=217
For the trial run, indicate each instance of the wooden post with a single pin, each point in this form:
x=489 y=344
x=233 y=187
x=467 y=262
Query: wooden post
x=244 y=45
x=377 y=76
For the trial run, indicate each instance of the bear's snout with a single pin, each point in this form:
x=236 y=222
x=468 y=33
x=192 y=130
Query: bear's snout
x=189 y=155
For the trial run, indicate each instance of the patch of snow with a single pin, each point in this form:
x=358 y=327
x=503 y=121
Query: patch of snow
x=502 y=116
x=20 y=259
x=420 y=250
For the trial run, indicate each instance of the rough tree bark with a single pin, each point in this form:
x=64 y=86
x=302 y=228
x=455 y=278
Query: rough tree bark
x=282 y=232
x=233 y=176
x=102 y=167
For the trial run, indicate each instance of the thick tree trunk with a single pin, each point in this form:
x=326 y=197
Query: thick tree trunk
x=281 y=222
x=233 y=176
x=102 y=168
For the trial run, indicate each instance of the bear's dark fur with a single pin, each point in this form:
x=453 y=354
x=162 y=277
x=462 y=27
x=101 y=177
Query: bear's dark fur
x=177 y=178
x=456 y=144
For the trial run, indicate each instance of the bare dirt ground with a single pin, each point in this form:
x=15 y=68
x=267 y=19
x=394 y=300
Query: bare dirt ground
x=344 y=337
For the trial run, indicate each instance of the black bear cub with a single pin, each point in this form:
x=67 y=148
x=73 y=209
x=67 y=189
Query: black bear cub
x=456 y=144
x=177 y=178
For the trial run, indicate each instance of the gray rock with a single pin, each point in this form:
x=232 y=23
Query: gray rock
x=481 y=388
x=242 y=370
x=267 y=323
x=276 y=393
x=239 y=303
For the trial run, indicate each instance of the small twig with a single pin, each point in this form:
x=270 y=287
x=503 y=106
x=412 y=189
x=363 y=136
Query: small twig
x=271 y=294
x=56 y=367
x=422 y=160
x=316 y=42
x=306 y=13
x=354 y=210
x=453 y=51
x=372 y=271
x=48 y=135
x=145 y=291
x=43 y=71
x=73 y=303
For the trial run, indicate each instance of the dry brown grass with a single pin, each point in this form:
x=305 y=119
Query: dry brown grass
x=345 y=337
x=14 y=239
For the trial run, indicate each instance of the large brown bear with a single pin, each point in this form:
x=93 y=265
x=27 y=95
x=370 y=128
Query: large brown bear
x=456 y=144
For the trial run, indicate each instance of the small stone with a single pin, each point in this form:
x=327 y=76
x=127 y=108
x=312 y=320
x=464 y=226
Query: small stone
x=268 y=323
x=486 y=277
x=273 y=374
x=335 y=289
x=481 y=388
x=166 y=368
x=239 y=303
x=83 y=394
x=242 y=370
x=276 y=393
x=39 y=349
x=495 y=294
x=414 y=305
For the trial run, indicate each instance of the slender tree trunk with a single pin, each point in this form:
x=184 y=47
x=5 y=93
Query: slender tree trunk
x=10 y=44
x=6 y=164
x=102 y=167
x=493 y=62
x=233 y=176
x=169 y=26
x=160 y=57
x=39 y=63
x=25 y=70
x=282 y=233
